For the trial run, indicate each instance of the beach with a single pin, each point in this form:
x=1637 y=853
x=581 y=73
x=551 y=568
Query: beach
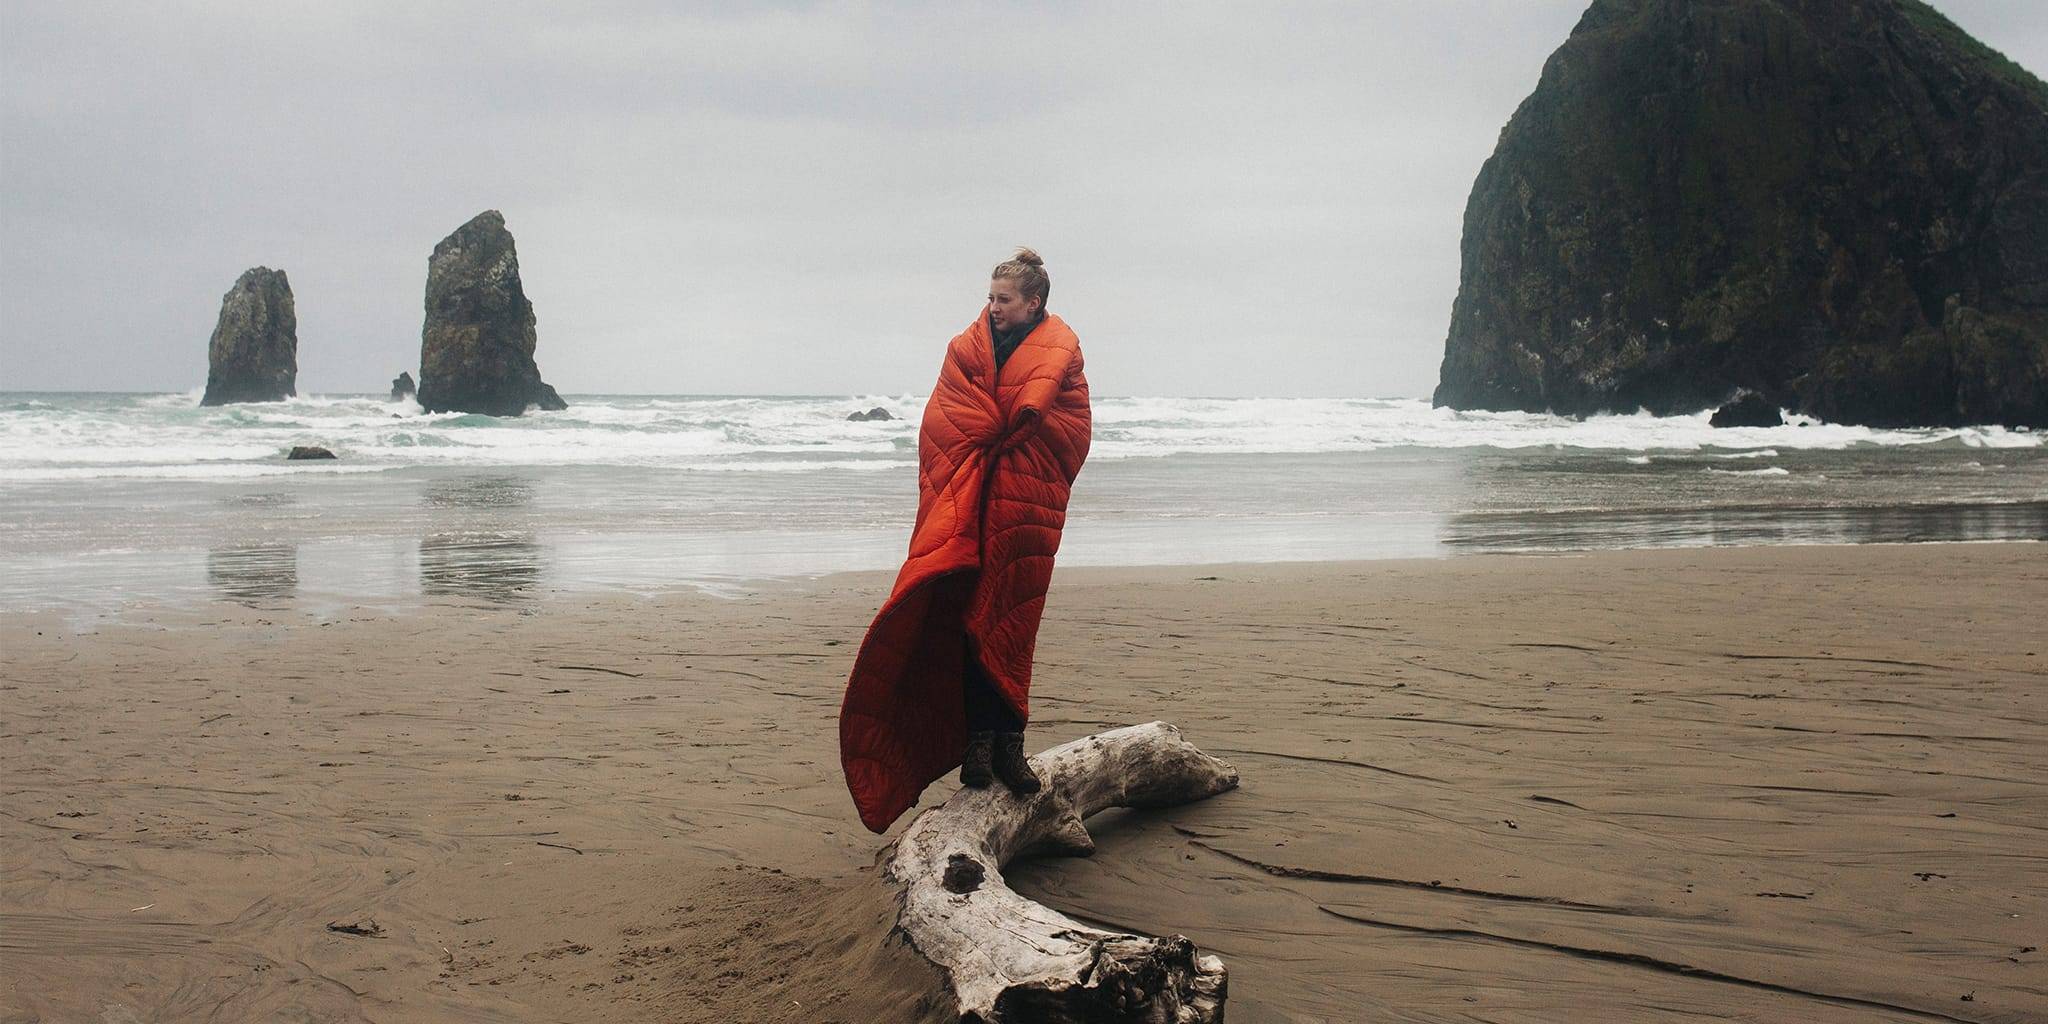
x=1515 y=513
x=1764 y=783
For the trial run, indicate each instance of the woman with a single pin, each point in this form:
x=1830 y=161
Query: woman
x=944 y=675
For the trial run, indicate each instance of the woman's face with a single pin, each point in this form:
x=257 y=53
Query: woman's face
x=1007 y=306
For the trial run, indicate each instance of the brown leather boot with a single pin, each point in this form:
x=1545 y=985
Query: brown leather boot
x=1012 y=766
x=974 y=764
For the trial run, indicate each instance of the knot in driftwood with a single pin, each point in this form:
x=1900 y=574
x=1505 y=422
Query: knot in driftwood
x=963 y=874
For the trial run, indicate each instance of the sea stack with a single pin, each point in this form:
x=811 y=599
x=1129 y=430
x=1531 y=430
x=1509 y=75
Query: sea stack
x=254 y=354
x=476 y=348
x=1840 y=205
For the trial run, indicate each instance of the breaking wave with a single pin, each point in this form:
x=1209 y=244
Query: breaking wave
x=56 y=437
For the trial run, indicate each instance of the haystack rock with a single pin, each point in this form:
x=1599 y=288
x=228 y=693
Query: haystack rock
x=1841 y=205
x=476 y=348
x=402 y=386
x=254 y=355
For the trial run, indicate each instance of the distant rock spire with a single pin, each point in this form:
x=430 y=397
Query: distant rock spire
x=254 y=354
x=476 y=346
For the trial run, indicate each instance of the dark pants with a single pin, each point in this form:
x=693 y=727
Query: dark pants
x=987 y=711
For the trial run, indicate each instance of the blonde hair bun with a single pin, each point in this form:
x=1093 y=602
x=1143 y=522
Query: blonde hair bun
x=1028 y=270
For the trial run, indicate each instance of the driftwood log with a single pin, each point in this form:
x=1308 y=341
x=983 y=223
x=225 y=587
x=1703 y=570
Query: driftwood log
x=1009 y=960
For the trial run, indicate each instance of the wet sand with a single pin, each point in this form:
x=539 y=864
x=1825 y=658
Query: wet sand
x=1772 y=784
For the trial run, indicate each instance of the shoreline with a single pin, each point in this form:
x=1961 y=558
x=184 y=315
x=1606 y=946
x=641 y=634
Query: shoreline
x=117 y=500
x=251 y=579
x=616 y=808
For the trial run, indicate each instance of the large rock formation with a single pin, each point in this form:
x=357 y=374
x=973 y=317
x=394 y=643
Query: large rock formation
x=1839 y=204
x=254 y=355
x=476 y=349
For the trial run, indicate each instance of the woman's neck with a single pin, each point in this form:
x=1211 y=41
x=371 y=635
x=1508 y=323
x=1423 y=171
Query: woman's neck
x=1018 y=331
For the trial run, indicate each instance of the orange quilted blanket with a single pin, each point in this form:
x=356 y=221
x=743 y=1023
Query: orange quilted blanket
x=997 y=456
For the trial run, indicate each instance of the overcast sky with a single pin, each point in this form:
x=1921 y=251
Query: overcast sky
x=1232 y=199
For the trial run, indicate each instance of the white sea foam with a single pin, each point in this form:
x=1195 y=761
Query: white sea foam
x=1161 y=426
x=1766 y=471
x=45 y=437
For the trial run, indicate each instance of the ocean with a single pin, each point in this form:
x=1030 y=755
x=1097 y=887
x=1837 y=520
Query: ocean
x=111 y=502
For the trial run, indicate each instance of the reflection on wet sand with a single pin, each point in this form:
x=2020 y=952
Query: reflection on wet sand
x=486 y=549
x=1723 y=527
x=1910 y=524
x=497 y=567
x=254 y=574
